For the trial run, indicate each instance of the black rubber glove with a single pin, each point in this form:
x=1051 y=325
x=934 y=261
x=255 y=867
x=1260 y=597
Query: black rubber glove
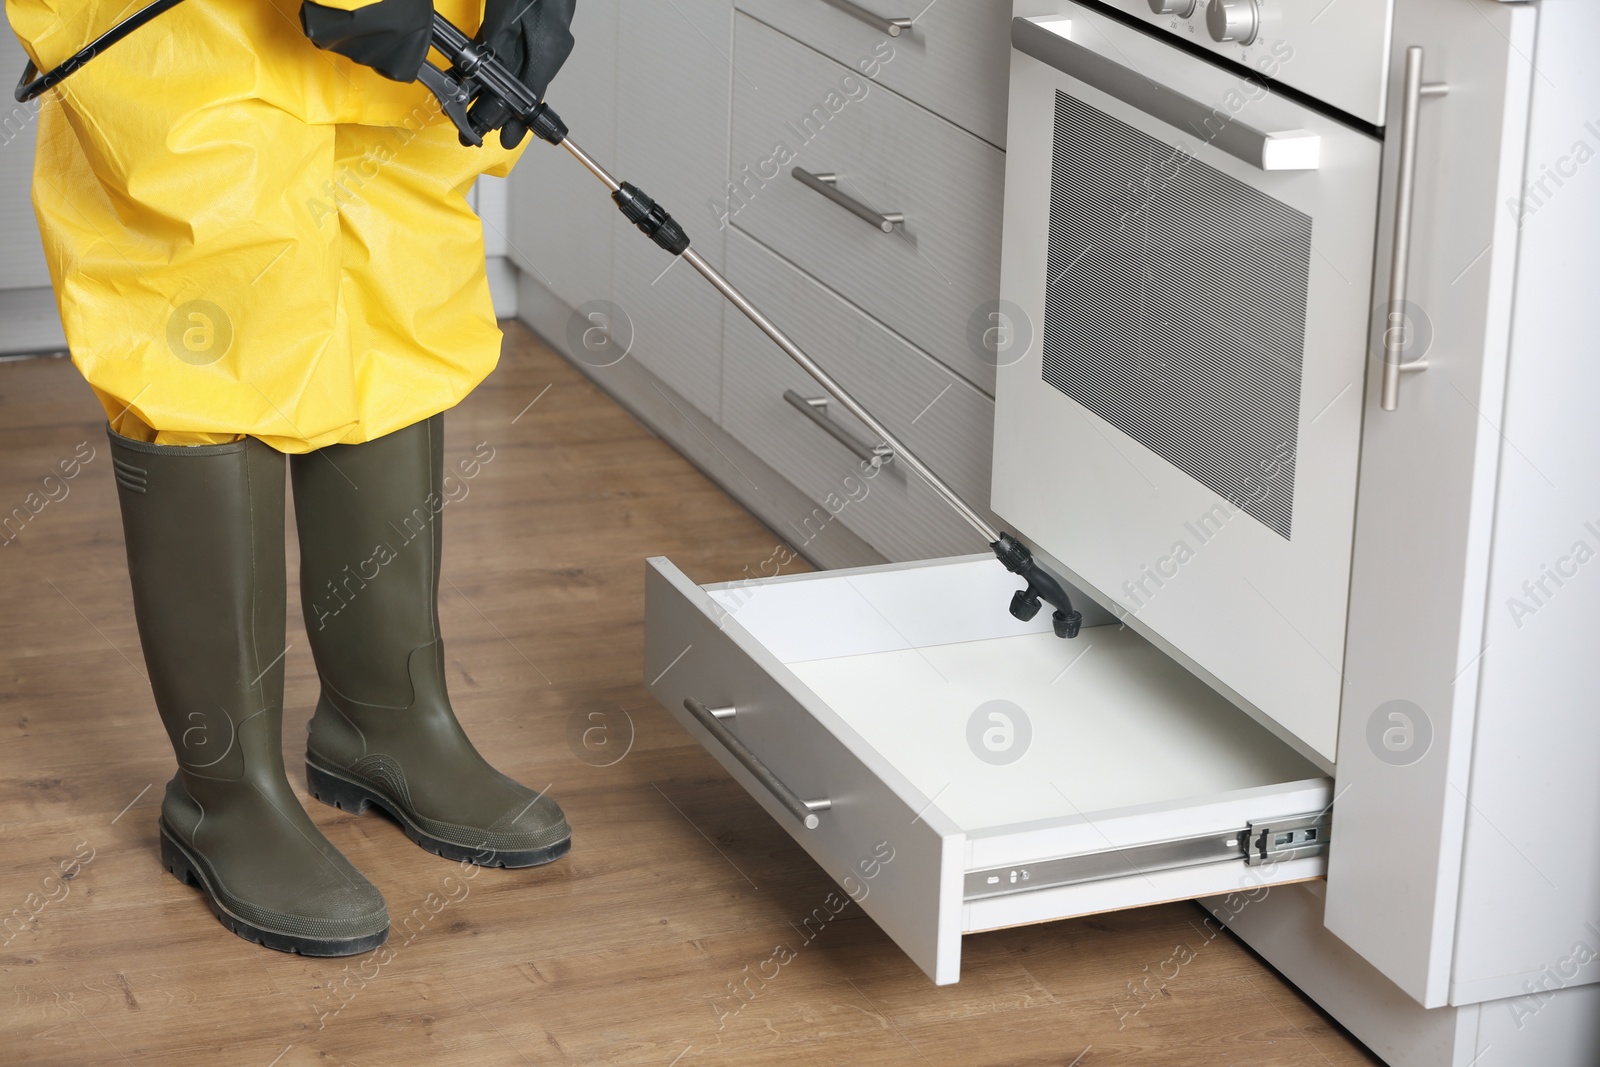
x=533 y=38
x=390 y=36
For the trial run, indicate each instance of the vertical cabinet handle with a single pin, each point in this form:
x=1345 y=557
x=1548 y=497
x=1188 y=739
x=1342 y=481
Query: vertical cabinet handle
x=711 y=719
x=828 y=186
x=815 y=408
x=892 y=27
x=1394 y=332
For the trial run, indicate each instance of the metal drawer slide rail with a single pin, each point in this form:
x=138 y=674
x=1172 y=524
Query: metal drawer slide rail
x=1258 y=844
x=475 y=73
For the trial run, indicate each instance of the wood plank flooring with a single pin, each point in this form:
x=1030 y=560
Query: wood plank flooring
x=639 y=947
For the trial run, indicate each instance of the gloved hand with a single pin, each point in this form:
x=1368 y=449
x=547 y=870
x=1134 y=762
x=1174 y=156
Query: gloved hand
x=533 y=38
x=390 y=36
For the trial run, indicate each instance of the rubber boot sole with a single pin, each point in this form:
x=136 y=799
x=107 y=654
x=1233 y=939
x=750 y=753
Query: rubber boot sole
x=354 y=797
x=182 y=866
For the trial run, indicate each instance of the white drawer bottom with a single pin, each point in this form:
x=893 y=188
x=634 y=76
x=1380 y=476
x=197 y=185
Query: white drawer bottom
x=966 y=771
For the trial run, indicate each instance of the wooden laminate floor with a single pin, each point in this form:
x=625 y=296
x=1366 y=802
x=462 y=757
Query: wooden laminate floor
x=644 y=946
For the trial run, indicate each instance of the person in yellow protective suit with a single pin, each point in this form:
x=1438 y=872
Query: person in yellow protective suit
x=256 y=229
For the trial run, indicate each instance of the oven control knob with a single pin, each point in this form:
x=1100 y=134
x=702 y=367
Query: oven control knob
x=1233 y=20
x=1181 y=8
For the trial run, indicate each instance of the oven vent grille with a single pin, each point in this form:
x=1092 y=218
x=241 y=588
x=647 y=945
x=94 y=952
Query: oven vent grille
x=1176 y=308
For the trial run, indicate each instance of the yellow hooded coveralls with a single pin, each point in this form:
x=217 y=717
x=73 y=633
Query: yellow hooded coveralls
x=250 y=236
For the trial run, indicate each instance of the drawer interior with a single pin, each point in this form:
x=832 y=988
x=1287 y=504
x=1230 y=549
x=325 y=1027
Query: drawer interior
x=920 y=660
x=1015 y=777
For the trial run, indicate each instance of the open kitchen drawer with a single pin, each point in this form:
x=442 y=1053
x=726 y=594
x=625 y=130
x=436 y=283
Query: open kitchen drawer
x=963 y=771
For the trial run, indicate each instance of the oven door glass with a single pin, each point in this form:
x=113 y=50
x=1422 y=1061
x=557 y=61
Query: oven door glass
x=1188 y=256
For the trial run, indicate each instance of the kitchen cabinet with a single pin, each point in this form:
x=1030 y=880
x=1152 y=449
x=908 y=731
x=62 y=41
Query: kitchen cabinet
x=617 y=297
x=675 y=73
x=560 y=230
x=926 y=277
x=28 y=319
x=874 y=304
x=1417 y=852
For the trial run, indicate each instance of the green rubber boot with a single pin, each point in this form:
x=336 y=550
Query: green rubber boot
x=204 y=530
x=384 y=733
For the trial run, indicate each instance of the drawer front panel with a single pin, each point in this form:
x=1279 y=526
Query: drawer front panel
x=952 y=60
x=930 y=277
x=945 y=420
x=880 y=844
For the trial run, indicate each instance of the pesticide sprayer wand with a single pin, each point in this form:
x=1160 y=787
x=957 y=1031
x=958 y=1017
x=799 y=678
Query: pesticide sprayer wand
x=475 y=70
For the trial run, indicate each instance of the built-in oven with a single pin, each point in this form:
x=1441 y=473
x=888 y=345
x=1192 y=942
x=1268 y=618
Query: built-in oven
x=1189 y=247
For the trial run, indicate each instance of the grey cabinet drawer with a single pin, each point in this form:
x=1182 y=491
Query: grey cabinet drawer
x=930 y=276
x=947 y=422
x=953 y=60
x=964 y=771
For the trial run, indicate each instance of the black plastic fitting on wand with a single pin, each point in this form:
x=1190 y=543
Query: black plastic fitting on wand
x=546 y=125
x=1042 y=585
x=651 y=218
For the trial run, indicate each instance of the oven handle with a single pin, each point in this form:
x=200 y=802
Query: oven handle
x=1285 y=150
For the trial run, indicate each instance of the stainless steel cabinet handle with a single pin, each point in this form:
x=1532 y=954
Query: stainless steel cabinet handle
x=804 y=810
x=827 y=185
x=1284 y=150
x=1394 y=331
x=815 y=408
x=893 y=27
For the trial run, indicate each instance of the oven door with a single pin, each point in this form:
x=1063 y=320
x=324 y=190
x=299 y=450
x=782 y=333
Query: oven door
x=1186 y=289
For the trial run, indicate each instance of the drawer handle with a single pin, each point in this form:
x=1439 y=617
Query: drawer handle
x=1285 y=150
x=827 y=185
x=893 y=27
x=815 y=408
x=804 y=810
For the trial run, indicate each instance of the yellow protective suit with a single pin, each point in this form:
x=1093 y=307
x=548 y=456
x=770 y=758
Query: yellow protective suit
x=250 y=236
